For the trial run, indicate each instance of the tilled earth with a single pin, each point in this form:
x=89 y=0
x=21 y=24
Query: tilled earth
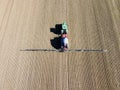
x=27 y=24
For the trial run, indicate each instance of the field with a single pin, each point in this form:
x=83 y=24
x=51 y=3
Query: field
x=27 y=24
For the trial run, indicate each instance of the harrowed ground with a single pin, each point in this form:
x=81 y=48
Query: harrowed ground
x=93 y=24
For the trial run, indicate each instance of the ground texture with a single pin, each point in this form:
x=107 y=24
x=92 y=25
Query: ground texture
x=93 y=24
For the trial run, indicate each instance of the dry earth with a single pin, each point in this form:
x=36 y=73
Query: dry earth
x=93 y=24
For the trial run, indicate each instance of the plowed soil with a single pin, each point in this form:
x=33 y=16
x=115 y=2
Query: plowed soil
x=93 y=24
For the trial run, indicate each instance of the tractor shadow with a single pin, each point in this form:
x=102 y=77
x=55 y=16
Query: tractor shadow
x=57 y=29
x=56 y=42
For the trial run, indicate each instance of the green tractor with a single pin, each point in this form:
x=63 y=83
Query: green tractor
x=64 y=28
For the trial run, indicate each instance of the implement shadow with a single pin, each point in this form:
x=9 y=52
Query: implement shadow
x=56 y=42
x=57 y=29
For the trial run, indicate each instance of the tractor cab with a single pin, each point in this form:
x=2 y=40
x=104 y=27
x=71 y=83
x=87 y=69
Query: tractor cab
x=64 y=28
